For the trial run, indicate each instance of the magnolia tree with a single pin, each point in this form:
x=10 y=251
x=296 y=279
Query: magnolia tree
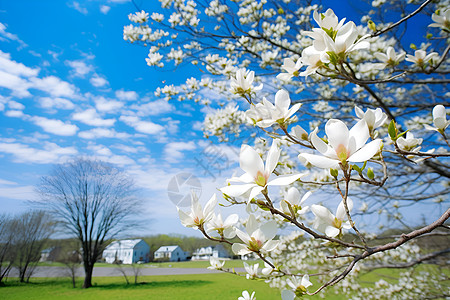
x=304 y=171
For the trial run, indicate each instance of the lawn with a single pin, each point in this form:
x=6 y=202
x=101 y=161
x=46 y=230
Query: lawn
x=210 y=286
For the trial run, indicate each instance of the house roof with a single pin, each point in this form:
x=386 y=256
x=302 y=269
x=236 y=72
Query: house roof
x=123 y=244
x=167 y=248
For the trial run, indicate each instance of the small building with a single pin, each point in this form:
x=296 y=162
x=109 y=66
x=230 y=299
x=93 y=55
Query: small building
x=205 y=253
x=127 y=252
x=170 y=253
x=50 y=254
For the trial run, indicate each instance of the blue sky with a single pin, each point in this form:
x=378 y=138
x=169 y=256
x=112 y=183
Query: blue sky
x=70 y=86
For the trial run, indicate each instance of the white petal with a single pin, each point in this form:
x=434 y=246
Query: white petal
x=331 y=231
x=358 y=111
x=305 y=281
x=366 y=152
x=269 y=230
x=272 y=158
x=320 y=145
x=340 y=212
x=240 y=249
x=209 y=207
x=285 y=179
x=337 y=133
x=236 y=190
x=322 y=212
x=282 y=100
x=320 y=161
x=243 y=236
x=254 y=192
x=250 y=161
x=270 y=245
x=231 y=220
x=186 y=220
x=293 y=196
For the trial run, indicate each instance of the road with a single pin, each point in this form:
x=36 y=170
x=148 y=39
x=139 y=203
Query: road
x=105 y=271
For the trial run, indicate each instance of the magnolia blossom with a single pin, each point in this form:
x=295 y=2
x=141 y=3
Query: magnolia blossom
x=257 y=174
x=299 y=286
x=292 y=199
x=421 y=57
x=439 y=119
x=343 y=145
x=224 y=228
x=442 y=20
x=252 y=271
x=374 y=117
x=197 y=217
x=409 y=143
x=299 y=133
x=243 y=83
x=328 y=223
x=216 y=264
x=138 y=17
x=267 y=114
x=258 y=237
x=311 y=58
x=267 y=267
x=247 y=296
x=328 y=20
x=291 y=68
x=345 y=40
x=389 y=59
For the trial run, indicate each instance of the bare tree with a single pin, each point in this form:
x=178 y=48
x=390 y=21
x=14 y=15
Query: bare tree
x=70 y=256
x=6 y=245
x=94 y=201
x=31 y=231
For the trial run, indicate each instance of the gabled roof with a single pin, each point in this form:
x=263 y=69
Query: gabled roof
x=167 y=248
x=123 y=244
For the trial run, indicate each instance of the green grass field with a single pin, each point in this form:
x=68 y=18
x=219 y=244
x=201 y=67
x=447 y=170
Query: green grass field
x=210 y=286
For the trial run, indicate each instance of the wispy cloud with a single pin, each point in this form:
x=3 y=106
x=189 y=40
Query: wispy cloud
x=50 y=153
x=126 y=95
x=75 y=5
x=97 y=133
x=55 y=126
x=79 y=67
x=98 y=81
x=142 y=126
x=104 y=9
x=174 y=151
x=91 y=117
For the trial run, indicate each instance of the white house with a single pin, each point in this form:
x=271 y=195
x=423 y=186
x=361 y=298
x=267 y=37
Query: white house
x=205 y=253
x=171 y=253
x=127 y=251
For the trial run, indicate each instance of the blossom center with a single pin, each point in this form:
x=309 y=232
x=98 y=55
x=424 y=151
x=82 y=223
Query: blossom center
x=342 y=153
x=337 y=223
x=260 y=179
x=254 y=244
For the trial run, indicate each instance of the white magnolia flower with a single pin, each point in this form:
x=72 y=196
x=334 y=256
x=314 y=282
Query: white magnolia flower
x=224 y=228
x=198 y=216
x=374 y=117
x=299 y=133
x=439 y=119
x=157 y=17
x=291 y=68
x=389 y=59
x=421 y=57
x=328 y=20
x=267 y=267
x=299 y=286
x=252 y=271
x=409 y=143
x=328 y=223
x=267 y=114
x=442 y=20
x=345 y=40
x=257 y=237
x=216 y=264
x=311 y=59
x=243 y=83
x=292 y=198
x=257 y=174
x=343 y=145
x=138 y=17
x=247 y=296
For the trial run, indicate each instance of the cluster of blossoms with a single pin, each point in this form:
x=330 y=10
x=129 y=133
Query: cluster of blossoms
x=347 y=158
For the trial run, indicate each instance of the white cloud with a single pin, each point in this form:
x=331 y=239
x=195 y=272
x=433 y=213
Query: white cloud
x=142 y=126
x=174 y=151
x=96 y=133
x=126 y=95
x=17 y=192
x=105 y=154
x=54 y=126
x=16 y=105
x=197 y=125
x=80 y=68
x=17 y=85
x=153 y=108
x=51 y=153
x=15 y=68
x=55 y=103
x=98 y=81
x=9 y=36
x=104 y=9
x=107 y=105
x=14 y=113
x=91 y=117
x=75 y=5
x=54 y=86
